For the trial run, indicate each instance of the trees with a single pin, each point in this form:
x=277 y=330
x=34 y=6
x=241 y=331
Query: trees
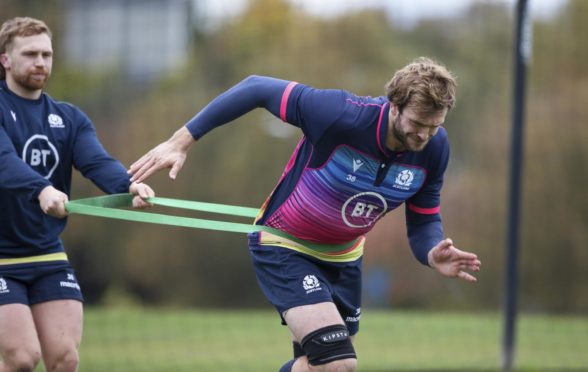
x=239 y=163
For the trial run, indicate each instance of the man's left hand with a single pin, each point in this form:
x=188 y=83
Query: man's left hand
x=452 y=262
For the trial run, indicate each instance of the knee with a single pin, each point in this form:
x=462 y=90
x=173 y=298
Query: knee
x=341 y=365
x=344 y=365
x=330 y=349
x=22 y=360
x=66 y=361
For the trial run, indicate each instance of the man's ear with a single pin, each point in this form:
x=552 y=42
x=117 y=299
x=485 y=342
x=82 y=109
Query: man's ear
x=394 y=110
x=4 y=60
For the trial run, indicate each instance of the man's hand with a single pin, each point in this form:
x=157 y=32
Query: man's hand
x=169 y=154
x=142 y=192
x=52 y=202
x=452 y=262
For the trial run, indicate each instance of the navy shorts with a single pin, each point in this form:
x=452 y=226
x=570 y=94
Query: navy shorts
x=32 y=283
x=289 y=278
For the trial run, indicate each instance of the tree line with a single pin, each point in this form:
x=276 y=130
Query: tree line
x=240 y=162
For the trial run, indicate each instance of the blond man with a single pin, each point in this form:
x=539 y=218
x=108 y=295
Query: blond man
x=41 y=140
x=358 y=159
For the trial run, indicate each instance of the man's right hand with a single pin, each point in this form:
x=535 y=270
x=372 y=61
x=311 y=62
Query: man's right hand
x=52 y=202
x=169 y=154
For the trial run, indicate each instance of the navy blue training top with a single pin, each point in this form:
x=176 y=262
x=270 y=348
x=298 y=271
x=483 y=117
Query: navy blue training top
x=40 y=141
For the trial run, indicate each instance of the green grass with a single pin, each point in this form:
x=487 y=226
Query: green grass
x=197 y=340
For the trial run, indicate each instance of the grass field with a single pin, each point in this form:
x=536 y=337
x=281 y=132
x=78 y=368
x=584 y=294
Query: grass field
x=197 y=340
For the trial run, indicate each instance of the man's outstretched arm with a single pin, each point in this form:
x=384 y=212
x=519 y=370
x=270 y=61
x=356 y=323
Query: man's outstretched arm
x=249 y=94
x=169 y=154
x=430 y=247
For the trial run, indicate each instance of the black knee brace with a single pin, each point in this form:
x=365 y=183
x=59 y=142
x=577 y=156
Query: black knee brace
x=297 y=349
x=328 y=344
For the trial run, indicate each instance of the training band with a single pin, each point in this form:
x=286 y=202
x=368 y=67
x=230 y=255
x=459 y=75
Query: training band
x=109 y=206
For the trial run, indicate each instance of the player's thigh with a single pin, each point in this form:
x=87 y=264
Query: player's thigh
x=59 y=325
x=305 y=319
x=17 y=332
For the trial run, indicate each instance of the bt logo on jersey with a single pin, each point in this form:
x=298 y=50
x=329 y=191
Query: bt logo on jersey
x=363 y=209
x=41 y=155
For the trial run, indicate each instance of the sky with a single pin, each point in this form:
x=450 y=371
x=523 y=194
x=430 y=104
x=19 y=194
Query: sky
x=406 y=12
x=421 y=8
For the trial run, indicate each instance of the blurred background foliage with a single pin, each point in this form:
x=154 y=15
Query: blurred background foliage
x=123 y=262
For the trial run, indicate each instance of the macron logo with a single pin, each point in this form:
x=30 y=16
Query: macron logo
x=13 y=115
x=357 y=164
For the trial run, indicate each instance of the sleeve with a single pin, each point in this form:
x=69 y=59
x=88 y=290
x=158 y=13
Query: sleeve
x=251 y=93
x=423 y=211
x=312 y=110
x=316 y=110
x=92 y=160
x=15 y=175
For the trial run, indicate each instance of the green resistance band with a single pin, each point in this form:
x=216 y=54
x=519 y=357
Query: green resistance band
x=109 y=206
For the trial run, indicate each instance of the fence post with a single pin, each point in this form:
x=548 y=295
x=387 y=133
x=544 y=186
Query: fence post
x=522 y=55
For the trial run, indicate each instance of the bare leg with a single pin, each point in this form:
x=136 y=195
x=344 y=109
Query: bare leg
x=303 y=320
x=19 y=346
x=59 y=324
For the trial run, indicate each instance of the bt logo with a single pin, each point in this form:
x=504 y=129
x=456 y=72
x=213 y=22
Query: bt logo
x=363 y=209
x=41 y=155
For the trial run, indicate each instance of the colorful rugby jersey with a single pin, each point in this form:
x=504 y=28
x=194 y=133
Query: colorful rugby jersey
x=341 y=179
x=40 y=141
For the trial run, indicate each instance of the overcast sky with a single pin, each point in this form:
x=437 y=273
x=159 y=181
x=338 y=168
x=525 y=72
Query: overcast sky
x=421 y=8
x=402 y=11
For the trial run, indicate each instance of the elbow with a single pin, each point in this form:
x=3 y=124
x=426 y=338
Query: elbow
x=253 y=80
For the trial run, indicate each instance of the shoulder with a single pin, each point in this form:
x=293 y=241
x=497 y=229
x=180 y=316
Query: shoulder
x=67 y=109
x=364 y=101
x=342 y=94
x=338 y=98
x=436 y=154
x=61 y=105
x=440 y=141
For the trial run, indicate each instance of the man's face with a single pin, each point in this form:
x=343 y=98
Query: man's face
x=28 y=61
x=412 y=131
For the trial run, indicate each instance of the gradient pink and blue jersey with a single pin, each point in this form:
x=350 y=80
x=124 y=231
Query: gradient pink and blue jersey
x=341 y=178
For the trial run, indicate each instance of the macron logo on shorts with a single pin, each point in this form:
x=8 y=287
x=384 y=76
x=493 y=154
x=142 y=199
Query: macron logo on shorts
x=355 y=318
x=71 y=283
x=3 y=286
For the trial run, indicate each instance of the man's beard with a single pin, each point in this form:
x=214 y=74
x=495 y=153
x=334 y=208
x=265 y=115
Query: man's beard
x=29 y=83
x=403 y=138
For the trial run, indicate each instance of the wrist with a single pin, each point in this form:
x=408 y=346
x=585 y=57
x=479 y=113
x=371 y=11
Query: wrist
x=182 y=139
x=43 y=192
x=431 y=259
